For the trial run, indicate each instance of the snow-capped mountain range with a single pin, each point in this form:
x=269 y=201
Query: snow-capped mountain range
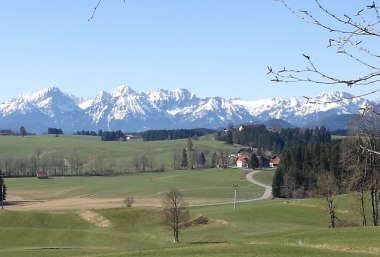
x=128 y=110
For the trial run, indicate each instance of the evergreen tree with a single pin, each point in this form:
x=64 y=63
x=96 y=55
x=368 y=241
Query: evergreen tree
x=229 y=139
x=22 y=131
x=202 y=159
x=184 y=162
x=254 y=161
x=214 y=160
x=278 y=181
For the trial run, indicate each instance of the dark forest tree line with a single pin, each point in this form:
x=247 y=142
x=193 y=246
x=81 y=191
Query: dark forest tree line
x=347 y=166
x=87 y=133
x=260 y=137
x=173 y=134
x=55 y=131
x=112 y=135
x=300 y=166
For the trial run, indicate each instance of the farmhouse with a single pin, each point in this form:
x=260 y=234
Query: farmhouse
x=242 y=161
x=274 y=161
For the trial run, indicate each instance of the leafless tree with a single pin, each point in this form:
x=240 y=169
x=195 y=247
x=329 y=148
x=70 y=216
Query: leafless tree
x=129 y=201
x=327 y=188
x=176 y=212
x=367 y=130
x=356 y=172
x=350 y=34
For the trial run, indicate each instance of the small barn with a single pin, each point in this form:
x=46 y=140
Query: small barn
x=42 y=175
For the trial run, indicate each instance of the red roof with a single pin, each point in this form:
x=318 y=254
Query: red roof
x=242 y=158
x=275 y=160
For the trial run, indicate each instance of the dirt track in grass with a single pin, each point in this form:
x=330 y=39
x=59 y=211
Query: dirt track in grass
x=86 y=203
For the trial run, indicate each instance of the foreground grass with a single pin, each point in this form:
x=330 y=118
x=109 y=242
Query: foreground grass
x=267 y=228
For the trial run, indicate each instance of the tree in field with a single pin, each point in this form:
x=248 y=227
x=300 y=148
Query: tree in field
x=356 y=172
x=327 y=188
x=202 y=159
x=190 y=144
x=214 y=160
x=362 y=160
x=229 y=138
x=3 y=187
x=184 y=162
x=22 y=131
x=129 y=201
x=175 y=210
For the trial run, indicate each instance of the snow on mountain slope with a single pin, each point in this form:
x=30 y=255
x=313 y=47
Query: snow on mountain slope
x=127 y=109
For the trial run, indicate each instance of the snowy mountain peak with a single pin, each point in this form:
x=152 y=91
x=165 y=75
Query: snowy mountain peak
x=126 y=109
x=123 y=90
x=47 y=92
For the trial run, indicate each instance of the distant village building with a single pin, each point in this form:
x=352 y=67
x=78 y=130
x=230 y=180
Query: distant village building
x=263 y=162
x=242 y=161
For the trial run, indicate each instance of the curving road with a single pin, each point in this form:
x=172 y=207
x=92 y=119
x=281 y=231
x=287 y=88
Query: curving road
x=249 y=176
x=268 y=189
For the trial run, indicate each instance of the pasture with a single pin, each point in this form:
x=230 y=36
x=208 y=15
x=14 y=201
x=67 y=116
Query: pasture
x=86 y=216
x=69 y=154
x=258 y=228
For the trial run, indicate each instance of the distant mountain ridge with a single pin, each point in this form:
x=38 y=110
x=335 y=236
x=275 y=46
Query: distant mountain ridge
x=128 y=110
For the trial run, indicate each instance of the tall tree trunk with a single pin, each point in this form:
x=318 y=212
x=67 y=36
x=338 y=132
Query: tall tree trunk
x=330 y=207
x=362 y=206
x=374 y=204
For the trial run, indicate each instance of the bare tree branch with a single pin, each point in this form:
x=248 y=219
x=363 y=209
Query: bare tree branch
x=95 y=9
x=350 y=33
x=93 y=13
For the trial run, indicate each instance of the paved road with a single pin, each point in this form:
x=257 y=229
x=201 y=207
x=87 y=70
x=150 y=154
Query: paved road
x=249 y=176
x=268 y=189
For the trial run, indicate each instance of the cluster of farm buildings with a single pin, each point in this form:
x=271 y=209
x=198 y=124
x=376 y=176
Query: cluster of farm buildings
x=243 y=158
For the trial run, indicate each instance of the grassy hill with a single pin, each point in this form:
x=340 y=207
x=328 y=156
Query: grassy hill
x=268 y=228
x=209 y=185
x=91 y=153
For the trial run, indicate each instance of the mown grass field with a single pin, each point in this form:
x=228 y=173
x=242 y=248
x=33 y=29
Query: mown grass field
x=261 y=228
x=267 y=228
x=213 y=185
x=93 y=153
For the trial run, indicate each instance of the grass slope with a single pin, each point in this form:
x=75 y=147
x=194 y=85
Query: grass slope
x=267 y=228
x=94 y=153
x=211 y=185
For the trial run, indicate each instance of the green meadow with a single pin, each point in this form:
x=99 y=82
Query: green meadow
x=92 y=153
x=212 y=185
x=268 y=228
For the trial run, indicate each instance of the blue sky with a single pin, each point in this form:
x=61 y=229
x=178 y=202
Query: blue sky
x=211 y=47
